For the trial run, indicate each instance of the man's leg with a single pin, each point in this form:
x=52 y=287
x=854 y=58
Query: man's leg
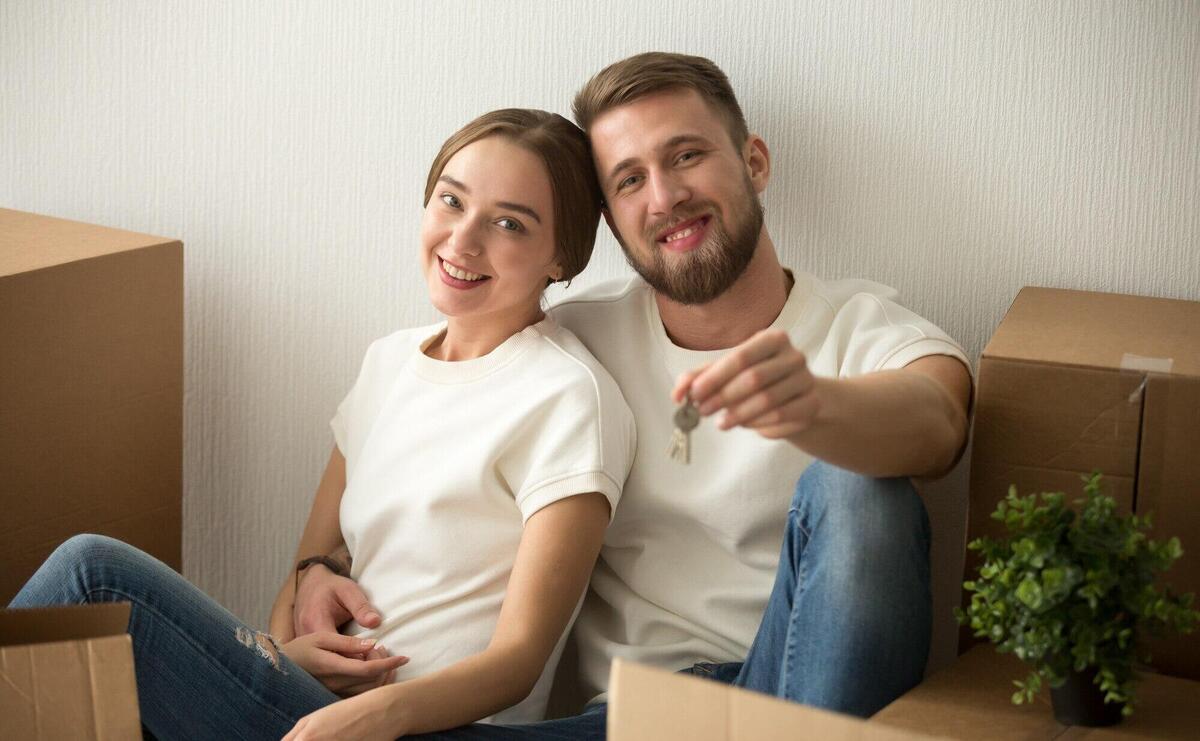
x=201 y=673
x=848 y=622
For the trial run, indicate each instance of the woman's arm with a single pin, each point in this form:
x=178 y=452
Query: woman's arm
x=554 y=562
x=322 y=534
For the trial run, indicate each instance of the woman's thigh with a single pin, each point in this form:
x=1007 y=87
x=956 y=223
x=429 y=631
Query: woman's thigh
x=201 y=672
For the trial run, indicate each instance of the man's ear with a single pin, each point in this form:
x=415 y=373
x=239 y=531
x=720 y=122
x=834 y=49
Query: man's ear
x=758 y=162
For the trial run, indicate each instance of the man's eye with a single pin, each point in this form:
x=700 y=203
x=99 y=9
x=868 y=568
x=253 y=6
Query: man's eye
x=691 y=154
x=451 y=200
x=511 y=225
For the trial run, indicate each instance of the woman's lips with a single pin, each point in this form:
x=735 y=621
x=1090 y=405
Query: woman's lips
x=455 y=282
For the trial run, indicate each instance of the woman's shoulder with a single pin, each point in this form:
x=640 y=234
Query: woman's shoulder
x=564 y=361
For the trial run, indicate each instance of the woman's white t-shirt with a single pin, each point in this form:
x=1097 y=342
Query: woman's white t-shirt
x=445 y=461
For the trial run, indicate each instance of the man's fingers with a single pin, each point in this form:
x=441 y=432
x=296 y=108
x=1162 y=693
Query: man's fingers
x=782 y=368
x=355 y=601
x=763 y=345
x=789 y=419
x=684 y=382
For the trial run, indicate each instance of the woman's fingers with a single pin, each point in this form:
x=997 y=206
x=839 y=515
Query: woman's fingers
x=342 y=644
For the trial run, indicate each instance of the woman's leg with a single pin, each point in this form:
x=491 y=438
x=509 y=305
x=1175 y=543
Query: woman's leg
x=847 y=626
x=201 y=672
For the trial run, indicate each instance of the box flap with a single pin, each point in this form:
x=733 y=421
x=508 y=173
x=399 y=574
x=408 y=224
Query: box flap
x=1100 y=330
x=69 y=689
x=647 y=704
x=66 y=623
x=32 y=241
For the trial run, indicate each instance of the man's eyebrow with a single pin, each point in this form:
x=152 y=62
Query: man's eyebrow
x=671 y=143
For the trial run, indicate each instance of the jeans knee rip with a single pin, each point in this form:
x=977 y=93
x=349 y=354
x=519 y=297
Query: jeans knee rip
x=263 y=643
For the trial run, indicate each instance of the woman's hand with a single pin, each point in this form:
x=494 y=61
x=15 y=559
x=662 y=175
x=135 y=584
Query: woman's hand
x=362 y=718
x=345 y=664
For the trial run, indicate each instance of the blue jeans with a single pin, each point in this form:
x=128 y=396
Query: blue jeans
x=846 y=627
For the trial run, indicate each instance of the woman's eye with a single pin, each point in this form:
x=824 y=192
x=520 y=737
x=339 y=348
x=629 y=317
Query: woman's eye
x=451 y=200
x=511 y=225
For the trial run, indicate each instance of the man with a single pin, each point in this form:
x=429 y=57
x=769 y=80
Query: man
x=786 y=370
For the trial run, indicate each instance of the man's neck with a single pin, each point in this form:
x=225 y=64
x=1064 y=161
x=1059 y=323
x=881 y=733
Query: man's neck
x=750 y=304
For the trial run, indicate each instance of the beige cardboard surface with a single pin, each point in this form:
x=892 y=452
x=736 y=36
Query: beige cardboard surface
x=67 y=673
x=647 y=704
x=1075 y=381
x=91 y=353
x=971 y=700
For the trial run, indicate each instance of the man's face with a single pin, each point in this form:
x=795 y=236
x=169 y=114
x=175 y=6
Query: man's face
x=679 y=195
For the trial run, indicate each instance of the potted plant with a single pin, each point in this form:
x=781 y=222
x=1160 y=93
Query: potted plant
x=1072 y=593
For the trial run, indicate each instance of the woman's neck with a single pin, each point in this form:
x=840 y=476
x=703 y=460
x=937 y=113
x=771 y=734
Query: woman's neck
x=466 y=338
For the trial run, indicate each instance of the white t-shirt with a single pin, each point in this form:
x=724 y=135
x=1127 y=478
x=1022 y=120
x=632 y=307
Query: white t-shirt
x=690 y=558
x=445 y=461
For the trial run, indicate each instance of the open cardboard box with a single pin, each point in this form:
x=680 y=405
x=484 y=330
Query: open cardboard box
x=1076 y=381
x=67 y=673
x=647 y=704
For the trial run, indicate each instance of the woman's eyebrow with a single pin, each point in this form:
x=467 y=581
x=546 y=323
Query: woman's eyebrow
x=520 y=209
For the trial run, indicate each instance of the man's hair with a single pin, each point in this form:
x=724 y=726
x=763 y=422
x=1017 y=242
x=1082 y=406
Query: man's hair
x=565 y=152
x=655 y=71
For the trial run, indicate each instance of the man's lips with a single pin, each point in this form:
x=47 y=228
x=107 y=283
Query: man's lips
x=685 y=236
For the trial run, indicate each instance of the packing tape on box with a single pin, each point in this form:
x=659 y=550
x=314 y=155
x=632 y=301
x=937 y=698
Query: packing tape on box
x=1129 y=361
x=1145 y=364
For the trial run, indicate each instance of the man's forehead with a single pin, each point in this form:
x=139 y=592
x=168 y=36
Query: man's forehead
x=653 y=122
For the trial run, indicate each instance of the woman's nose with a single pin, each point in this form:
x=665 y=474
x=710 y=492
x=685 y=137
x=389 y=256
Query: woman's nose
x=464 y=238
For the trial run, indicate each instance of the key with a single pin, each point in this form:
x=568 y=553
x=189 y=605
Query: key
x=687 y=417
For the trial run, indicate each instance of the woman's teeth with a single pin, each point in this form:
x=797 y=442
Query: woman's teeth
x=460 y=274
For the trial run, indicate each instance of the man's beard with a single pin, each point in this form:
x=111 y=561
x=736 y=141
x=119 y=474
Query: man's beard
x=699 y=276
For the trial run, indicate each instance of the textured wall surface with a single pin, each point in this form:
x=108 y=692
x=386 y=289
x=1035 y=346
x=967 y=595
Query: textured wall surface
x=956 y=151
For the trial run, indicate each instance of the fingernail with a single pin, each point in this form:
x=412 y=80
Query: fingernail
x=726 y=422
x=707 y=408
x=373 y=614
x=366 y=643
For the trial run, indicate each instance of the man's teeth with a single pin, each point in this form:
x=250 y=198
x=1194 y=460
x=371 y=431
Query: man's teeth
x=680 y=235
x=460 y=274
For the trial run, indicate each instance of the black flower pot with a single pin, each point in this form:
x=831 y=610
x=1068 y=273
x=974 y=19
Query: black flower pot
x=1079 y=702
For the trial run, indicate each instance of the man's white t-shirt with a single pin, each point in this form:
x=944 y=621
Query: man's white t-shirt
x=690 y=558
x=445 y=461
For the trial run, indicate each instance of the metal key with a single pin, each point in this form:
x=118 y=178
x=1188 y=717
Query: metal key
x=687 y=417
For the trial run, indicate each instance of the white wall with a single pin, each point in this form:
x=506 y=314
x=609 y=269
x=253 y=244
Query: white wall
x=954 y=150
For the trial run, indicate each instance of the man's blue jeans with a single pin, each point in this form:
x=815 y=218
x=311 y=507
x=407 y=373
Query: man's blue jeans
x=846 y=627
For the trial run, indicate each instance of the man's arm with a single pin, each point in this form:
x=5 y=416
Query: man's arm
x=906 y=422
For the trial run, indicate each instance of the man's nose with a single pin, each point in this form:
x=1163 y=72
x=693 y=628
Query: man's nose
x=666 y=192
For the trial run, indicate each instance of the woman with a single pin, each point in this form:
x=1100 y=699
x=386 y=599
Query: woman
x=475 y=470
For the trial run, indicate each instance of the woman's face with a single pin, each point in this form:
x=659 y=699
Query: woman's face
x=487 y=236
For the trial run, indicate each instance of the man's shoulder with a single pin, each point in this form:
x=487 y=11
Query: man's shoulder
x=835 y=294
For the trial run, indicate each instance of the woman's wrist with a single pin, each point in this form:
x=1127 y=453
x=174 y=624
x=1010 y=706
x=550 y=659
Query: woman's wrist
x=397 y=709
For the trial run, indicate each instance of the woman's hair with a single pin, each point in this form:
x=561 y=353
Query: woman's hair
x=563 y=148
x=642 y=74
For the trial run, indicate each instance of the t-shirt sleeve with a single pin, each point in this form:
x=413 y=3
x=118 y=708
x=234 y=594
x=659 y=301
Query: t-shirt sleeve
x=874 y=333
x=358 y=408
x=580 y=439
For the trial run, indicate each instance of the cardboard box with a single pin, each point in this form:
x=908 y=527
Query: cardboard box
x=1074 y=381
x=67 y=672
x=972 y=700
x=91 y=401
x=648 y=704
